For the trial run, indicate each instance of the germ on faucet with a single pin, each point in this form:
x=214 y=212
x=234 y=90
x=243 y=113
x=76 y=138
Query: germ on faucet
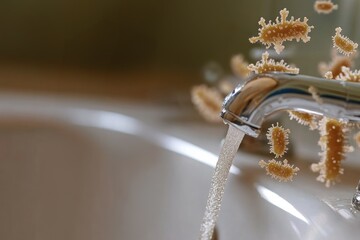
x=348 y=75
x=270 y=65
x=329 y=75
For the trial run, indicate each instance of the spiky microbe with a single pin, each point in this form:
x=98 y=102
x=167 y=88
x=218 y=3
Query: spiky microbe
x=333 y=146
x=208 y=101
x=343 y=44
x=279 y=170
x=325 y=6
x=278 y=140
x=348 y=75
x=270 y=65
x=335 y=65
x=329 y=75
x=304 y=118
x=283 y=30
x=226 y=86
x=239 y=66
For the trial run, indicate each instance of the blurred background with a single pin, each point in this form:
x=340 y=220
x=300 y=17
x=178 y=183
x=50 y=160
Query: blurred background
x=138 y=49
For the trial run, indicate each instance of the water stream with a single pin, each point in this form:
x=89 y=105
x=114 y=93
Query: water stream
x=231 y=144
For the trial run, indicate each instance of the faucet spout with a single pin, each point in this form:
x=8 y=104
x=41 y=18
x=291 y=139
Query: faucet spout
x=264 y=94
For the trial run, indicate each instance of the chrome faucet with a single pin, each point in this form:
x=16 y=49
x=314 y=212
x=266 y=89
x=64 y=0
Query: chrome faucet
x=250 y=103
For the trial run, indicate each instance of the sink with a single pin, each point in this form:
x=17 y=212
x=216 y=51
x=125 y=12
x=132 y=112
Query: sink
x=74 y=173
x=86 y=169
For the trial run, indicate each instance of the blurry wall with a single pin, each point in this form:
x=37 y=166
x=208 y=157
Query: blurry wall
x=125 y=33
x=130 y=35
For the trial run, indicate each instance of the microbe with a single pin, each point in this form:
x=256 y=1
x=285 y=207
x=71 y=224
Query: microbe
x=304 y=118
x=208 y=102
x=283 y=30
x=335 y=65
x=325 y=6
x=348 y=75
x=333 y=146
x=280 y=170
x=278 y=140
x=239 y=66
x=270 y=65
x=329 y=75
x=343 y=44
x=226 y=86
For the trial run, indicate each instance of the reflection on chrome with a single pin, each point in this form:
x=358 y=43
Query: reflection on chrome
x=250 y=103
x=280 y=202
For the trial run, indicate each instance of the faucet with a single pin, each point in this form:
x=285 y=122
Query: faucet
x=250 y=103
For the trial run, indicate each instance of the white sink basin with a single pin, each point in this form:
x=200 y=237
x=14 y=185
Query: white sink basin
x=86 y=170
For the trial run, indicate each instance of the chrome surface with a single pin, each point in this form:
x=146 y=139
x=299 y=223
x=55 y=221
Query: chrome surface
x=356 y=198
x=263 y=94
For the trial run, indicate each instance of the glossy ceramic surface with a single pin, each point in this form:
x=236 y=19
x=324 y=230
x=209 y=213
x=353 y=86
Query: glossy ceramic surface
x=85 y=169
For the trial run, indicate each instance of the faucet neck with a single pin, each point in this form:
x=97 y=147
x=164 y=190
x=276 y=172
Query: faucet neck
x=264 y=94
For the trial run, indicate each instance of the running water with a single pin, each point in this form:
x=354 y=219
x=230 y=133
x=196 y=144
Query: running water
x=218 y=181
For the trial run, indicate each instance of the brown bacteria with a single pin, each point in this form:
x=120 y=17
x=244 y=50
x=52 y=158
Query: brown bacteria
x=343 y=44
x=269 y=65
x=325 y=6
x=208 y=102
x=239 y=66
x=336 y=64
x=283 y=30
x=304 y=118
x=278 y=140
x=348 y=75
x=280 y=170
x=333 y=146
